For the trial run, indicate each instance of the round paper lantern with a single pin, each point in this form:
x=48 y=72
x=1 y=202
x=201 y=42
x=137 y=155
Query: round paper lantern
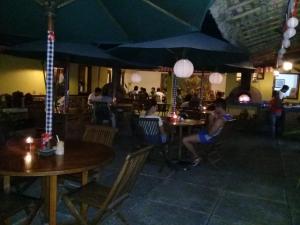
x=287 y=66
x=286 y=43
x=292 y=22
x=136 y=78
x=183 y=68
x=215 y=78
x=289 y=33
x=282 y=51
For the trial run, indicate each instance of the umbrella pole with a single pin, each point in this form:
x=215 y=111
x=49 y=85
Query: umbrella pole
x=50 y=6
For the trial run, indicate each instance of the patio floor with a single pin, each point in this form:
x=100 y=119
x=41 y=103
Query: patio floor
x=255 y=186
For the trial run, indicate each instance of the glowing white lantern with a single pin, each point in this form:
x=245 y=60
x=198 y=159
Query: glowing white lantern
x=275 y=72
x=289 y=33
x=287 y=66
x=183 y=68
x=286 y=43
x=136 y=78
x=292 y=22
x=215 y=78
x=282 y=51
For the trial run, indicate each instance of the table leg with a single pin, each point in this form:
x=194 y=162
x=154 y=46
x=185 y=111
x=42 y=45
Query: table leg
x=84 y=180
x=180 y=143
x=6 y=184
x=45 y=196
x=52 y=200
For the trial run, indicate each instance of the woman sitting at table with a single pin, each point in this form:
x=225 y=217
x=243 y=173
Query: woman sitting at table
x=216 y=122
x=151 y=108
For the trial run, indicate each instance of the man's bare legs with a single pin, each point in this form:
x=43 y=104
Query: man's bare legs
x=189 y=143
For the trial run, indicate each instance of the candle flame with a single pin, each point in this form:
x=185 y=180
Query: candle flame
x=29 y=140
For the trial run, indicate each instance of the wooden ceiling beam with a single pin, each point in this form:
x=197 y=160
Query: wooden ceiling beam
x=235 y=6
x=263 y=40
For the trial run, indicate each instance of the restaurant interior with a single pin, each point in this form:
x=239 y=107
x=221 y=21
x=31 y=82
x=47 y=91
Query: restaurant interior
x=149 y=112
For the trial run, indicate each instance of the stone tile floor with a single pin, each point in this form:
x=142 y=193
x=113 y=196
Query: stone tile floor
x=255 y=185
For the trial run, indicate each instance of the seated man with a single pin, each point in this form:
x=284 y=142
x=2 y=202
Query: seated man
x=94 y=97
x=216 y=122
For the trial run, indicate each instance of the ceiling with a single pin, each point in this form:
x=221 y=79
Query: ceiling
x=257 y=26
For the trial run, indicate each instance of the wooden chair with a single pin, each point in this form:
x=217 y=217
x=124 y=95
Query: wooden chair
x=99 y=134
x=108 y=199
x=95 y=134
x=11 y=204
x=152 y=136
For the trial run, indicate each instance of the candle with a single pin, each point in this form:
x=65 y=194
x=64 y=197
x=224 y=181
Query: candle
x=28 y=159
x=204 y=107
x=29 y=141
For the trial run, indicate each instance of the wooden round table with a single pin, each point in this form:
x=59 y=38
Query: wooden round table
x=79 y=157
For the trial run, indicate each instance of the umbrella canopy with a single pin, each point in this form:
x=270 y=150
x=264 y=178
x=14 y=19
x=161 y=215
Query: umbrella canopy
x=111 y=21
x=204 y=51
x=73 y=52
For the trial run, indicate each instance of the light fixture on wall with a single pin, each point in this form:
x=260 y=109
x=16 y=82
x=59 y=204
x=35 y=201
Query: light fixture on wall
x=215 y=78
x=287 y=65
x=183 y=68
x=136 y=78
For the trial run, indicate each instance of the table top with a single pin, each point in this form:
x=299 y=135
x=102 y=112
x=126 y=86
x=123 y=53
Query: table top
x=186 y=122
x=78 y=157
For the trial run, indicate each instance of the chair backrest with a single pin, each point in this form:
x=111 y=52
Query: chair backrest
x=151 y=131
x=99 y=134
x=128 y=174
x=101 y=111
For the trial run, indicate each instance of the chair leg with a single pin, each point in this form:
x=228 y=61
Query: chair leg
x=74 y=211
x=122 y=218
x=33 y=213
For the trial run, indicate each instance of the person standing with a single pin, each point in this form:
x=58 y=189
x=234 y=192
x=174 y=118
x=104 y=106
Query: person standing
x=159 y=95
x=282 y=96
x=276 y=113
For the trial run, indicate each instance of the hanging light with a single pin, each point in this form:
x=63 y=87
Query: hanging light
x=287 y=65
x=289 y=33
x=183 y=68
x=136 y=78
x=276 y=73
x=292 y=22
x=282 y=51
x=215 y=78
x=286 y=43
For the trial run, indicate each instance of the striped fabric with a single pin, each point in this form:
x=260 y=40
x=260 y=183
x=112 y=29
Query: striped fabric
x=151 y=130
x=49 y=83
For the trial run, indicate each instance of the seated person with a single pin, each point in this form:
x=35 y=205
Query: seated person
x=216 y=122
x=151 y=108
x=94 y=97
x=109 y=101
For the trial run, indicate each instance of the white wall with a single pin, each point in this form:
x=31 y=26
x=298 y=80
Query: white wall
x=149 y=79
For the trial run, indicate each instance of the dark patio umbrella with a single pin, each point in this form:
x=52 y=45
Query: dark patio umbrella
x=64 y=51
x=112 y=21
x=203 y=51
